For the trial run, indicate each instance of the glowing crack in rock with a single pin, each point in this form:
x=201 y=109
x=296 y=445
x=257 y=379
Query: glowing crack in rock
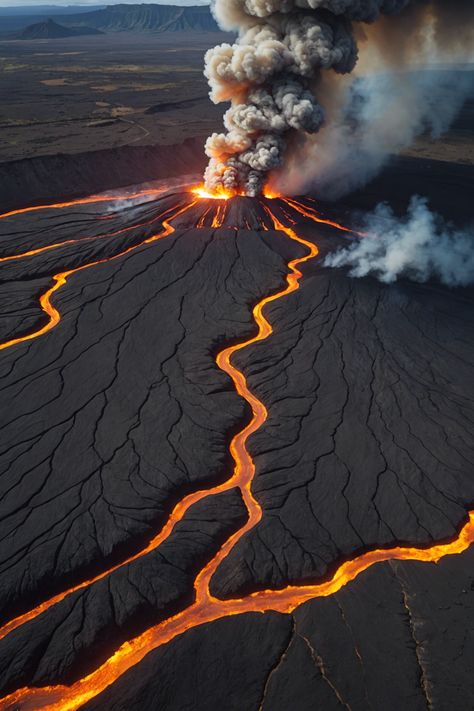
x=206 y=608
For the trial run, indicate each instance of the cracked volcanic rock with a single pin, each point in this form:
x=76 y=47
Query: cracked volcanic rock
x=119 y=412
x=369 y=440
x=400 y=637
x=85 y=628
x=109 y=419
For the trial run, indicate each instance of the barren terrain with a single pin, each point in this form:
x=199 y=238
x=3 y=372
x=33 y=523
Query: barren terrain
x=86 y=93
x=128 y=515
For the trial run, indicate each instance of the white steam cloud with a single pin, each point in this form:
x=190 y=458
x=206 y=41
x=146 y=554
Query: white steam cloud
x=274 y=70
x=419 y=247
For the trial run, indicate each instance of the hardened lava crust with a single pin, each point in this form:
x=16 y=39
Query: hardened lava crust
x=231 y=477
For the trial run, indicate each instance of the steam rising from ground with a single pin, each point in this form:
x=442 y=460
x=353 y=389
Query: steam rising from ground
x=275 y=69
x=420 y=247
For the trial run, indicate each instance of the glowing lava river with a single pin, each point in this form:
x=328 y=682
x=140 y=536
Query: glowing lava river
x=429 y=513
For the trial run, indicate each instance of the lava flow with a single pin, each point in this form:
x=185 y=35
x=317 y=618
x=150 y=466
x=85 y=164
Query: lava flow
x=77 y=240
x=207 y=608
x=314 y=216
x=60 y=279
x=85 y=201
x=244 y=470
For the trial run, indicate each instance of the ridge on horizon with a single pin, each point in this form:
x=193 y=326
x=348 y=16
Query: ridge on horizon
x=116 y=17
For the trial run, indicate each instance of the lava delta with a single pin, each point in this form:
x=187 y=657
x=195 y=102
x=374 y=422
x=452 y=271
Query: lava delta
x=227 y=469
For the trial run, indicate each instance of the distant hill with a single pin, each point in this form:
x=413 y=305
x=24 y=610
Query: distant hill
x=14 y=19
x=145 y=18
x=115 y=18
x=48 y=29
x=46 y=10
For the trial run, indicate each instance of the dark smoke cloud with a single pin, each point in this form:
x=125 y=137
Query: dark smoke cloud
x=274 y=71
x=419 y=247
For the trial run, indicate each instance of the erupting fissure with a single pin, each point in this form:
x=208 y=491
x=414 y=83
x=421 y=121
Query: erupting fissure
x=205 y=607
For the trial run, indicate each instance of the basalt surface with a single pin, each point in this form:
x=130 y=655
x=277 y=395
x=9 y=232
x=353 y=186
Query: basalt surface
x=399 y=637
x=127 y=489
x=369 y=438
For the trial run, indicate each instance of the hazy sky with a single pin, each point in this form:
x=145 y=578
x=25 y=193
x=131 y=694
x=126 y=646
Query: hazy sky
x=33 y=3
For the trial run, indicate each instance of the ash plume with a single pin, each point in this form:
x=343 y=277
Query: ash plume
x=379 y=116
x=274 y=75
x=419 y=246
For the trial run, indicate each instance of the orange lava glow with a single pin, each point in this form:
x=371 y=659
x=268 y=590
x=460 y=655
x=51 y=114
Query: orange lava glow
x=312 y=215
x=222 y=194
x=207 y=608
x=85 y=201
x=237 y=446
x=67 y=242
x=60 y=279
x=219 y=215
x=202 y=220
x=201 y=192
x=271 y=194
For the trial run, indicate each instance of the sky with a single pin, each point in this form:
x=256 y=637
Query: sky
x=36 y=3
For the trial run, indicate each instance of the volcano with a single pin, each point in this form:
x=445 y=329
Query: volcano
x=227 y=469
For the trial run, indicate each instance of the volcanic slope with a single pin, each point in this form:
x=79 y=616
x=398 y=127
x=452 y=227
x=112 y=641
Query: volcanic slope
x=193 y=410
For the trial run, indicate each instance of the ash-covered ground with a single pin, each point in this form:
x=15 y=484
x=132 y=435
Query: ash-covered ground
x=114 y=410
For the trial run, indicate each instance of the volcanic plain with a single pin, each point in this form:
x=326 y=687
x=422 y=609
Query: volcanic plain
x=87 y=93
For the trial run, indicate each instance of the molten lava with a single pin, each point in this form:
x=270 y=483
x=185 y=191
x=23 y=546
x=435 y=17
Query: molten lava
x=271 y=194
x=205 y=607
x=60 y=279
x=221 y=194
x=85 y=201
x=77 y=240
x=201 y=192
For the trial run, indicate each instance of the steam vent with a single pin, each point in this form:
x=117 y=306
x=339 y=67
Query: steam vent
x=229 y=470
